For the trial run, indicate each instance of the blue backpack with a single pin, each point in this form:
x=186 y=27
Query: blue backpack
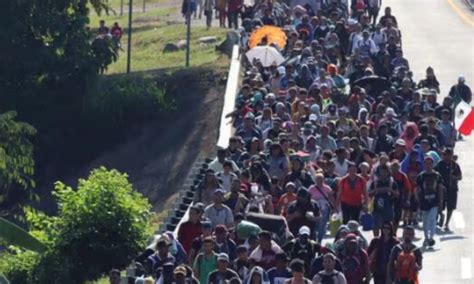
x=367 y=222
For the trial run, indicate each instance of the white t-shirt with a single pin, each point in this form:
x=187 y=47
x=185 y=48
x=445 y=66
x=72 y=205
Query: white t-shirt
x=340 y=169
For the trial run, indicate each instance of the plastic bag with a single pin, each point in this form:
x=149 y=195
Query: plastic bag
x=335 y=223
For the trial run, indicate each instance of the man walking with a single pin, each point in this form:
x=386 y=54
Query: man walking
x=373 y=7
x=430 y=184
x=451 y=173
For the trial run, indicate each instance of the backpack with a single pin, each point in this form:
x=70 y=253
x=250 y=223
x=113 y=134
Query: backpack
x=405 y=266
x=326 y=278
x=379 y=202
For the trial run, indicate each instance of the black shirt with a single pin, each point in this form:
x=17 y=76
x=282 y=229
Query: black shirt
x=428 y=184
x=447 y=170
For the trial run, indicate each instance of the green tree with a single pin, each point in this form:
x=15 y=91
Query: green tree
x=100 y=225
x=47 y=66
x=16 y=163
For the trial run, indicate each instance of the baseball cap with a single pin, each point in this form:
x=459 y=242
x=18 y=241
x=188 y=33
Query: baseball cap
x=351 y=238
x=180 y=270
x=241 y=248
x=249 y=115
x=462 y=78
x=290 y=184
x=400 y=142
x=353 y=226
x=163 y=240
x=219 y=191
x=304 y=230
x=390 y=111
x=223 y=257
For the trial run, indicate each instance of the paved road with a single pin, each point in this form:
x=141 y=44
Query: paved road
x=440 y=33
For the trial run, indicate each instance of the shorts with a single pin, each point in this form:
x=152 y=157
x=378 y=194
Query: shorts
x=382 y=216
x=450 y=200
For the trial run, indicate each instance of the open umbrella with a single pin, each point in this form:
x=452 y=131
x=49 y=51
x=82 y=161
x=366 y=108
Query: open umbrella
x=271 y=34
x=266 y=54
x=377 y=84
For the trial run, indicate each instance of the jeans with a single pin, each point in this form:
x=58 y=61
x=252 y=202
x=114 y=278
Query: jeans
x=232 y=18
x=429 y=222
x=323 y=222
x=208 y=18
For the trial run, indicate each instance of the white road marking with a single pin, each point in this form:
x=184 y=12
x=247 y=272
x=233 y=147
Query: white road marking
x=458 y=220
x=466 y=268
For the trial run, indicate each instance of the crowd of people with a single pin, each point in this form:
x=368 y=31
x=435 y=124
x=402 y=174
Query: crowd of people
x=339 y=135
x=113 y=33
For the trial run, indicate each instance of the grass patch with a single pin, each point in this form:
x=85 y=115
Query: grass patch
x=147 y=46
x=152 y=16
x=115 y=4
x=152 y=30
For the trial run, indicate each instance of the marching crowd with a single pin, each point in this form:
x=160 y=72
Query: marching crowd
x=340 y=137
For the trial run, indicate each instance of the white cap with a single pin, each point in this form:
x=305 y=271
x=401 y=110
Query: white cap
x=461 y=78
x=304 y=231
x=390 y=111
x=281 y=70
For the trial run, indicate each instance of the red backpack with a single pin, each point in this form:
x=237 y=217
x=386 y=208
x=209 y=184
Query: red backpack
x=405 y=268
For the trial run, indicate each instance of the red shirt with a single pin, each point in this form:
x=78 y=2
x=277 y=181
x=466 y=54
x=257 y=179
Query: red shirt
x=234 y=5
x=352 y=196
x=187 y=233
x=402 y=179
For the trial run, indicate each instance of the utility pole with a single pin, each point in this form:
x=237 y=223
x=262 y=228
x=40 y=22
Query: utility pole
x=129 y=48
x=188 y=31
x=188 y=38
x=121 y=7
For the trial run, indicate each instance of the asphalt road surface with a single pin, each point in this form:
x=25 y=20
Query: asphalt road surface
x=440 y=33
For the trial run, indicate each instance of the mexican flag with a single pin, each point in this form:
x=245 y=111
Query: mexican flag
x=464 y=118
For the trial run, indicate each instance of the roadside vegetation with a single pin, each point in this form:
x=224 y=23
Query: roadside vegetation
x=58 y=113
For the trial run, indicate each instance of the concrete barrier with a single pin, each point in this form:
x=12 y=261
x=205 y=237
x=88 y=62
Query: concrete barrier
x=225 y=129
x=180 y=210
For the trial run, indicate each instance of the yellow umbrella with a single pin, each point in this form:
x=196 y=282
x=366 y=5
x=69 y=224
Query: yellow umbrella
x=272 y=35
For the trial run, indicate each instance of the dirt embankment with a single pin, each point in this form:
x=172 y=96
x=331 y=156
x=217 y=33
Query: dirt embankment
x=158 y=155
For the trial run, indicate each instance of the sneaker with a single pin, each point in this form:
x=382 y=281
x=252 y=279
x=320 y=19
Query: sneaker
x=447 y=229
x=441 y=220
x=425 y=243
x=431 y=242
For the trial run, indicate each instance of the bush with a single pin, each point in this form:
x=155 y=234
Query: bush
x=18 y=265
x=101 y=225
x=16 y=163
x=123 y=101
